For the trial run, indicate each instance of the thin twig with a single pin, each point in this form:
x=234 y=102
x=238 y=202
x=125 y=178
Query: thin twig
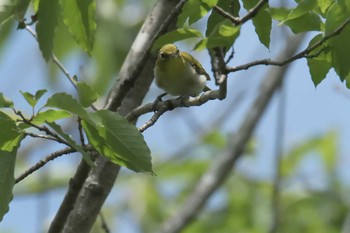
x=40 y=136
x=40 y=128
x=238 y=21
x=81 y=134
x=305 y=53
x=44 y=161
x=104 y=224
x=55 y=60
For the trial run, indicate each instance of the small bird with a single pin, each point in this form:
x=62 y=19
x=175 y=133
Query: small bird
x=179 y=73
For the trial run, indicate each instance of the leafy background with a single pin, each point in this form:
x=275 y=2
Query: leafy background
x=315 y=182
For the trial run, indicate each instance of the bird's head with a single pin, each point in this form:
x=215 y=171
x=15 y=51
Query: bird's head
x=168 y=51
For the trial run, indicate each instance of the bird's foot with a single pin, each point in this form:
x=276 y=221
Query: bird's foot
x=158 y=99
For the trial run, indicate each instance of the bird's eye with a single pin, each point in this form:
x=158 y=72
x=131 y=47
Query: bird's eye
x=163 y=56
x=177 y=51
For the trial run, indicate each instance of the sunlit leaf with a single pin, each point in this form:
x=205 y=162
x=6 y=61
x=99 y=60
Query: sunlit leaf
x=33 y=99
x=80 y=18
x=50 y=116
x=192 y=11
x=177 y=35
x=339 y=45
x=6 y=10
x=5 y=102
x=66 y=102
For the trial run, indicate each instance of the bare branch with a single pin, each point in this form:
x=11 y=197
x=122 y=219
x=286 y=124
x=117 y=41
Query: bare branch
x=238 y=21
x=55 y=60
x=220 y=169
x=44 y=161
x=305 y=53
x=168 y=105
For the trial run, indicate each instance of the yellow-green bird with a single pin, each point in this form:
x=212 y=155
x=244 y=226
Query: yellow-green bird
x=179 y=73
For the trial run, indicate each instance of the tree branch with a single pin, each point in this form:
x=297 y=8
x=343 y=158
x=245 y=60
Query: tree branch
x=305 y=53
x=127 y=93
x=55 y=60
x=238 y=21
x=220 y=169
x=44 y=161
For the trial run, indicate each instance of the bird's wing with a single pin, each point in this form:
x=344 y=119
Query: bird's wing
x=195 y=64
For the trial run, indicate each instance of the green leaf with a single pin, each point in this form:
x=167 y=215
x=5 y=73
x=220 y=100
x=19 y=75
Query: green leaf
x=320 y=65
x=279 y=14
x=10 y=135
x=71 y=142
x=324 y=5
x=20 y=9
x=193 y=10
x=177 y=35
x=5 y=102
x=304 y=6
x=80 y=18
x=298 y=25
x=262 y=22
x=7 y=179
x=87 y=95
x=45 y=28
x=32 y=100
x=114 y=137
x=220 y=31
x=339 y=45
x=6 y=9
x=66 y=102
x=36 y=5
x=50 y=116
x=225 y=36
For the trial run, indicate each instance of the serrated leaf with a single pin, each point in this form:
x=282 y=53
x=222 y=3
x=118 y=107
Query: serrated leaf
x=5 y=102
x=7 y=179
x=177 y=35
x=10 y=137
x=6 y=9
x=339 y=45
x=32 y=100
x=193 y=10
x=50 y=116
x=71 y=142
x=45 y=28
x=114 y=137
x=66 y=102
x=87 y=95
x=262 y=22
x=80 y=18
